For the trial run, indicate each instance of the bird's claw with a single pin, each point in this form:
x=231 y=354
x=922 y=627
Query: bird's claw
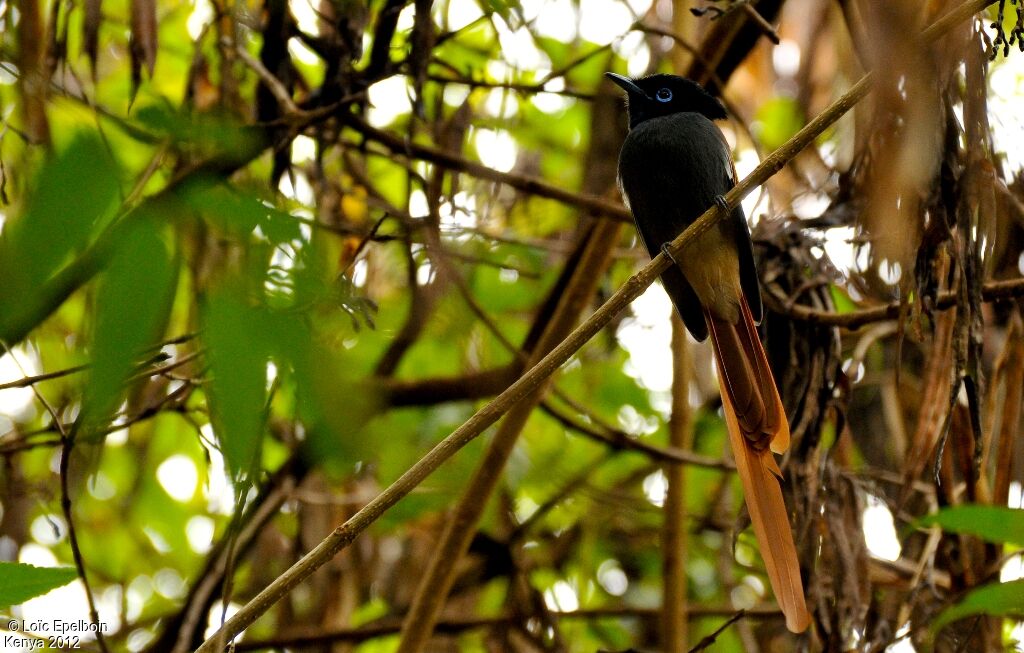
x=721 y=203
x=666 y=249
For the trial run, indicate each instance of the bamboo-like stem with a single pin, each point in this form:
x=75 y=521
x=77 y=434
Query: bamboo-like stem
x=674 y=628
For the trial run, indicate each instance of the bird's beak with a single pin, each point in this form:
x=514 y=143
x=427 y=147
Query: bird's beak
x=625 y=84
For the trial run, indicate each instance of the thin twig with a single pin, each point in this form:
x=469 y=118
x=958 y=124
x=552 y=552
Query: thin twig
x=175 y=401
x=567 y=490
x=27 y=381
x=453 y=626
x=32 y=380
x=274 y=85
x=991 y=291
x=759 y=20
x=143 y=179
x=527 y=184
x=710 y=639
x=619 y=439
x=518 y=87
x=76 y=549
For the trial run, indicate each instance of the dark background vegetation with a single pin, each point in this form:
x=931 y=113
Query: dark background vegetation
x=254 y=266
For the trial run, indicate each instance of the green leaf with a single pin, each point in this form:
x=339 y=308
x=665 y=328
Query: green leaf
x=992 y=523
x=20 y=582
x=238 y=352
x=74 y=192
x=1002 y=599
x=132 y=307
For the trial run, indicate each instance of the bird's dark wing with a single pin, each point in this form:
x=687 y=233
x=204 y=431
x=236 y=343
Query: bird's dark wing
x=744 y=247
x=649 y=195
x=682 y=295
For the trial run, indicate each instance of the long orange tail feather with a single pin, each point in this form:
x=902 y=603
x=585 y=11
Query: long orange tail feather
x=755 y=430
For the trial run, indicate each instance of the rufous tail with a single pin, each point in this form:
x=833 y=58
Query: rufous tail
x=757 y=426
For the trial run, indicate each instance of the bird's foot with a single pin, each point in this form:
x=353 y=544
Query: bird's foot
x=666 y=249
x=721 y=203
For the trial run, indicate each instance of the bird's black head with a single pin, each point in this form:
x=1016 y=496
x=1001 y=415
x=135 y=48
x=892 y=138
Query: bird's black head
x=661 y=95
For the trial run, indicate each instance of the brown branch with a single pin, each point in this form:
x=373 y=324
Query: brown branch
x=518 y=87
x=760 y=21
x=422 y=302
x=174 y=402
x=568 y=489
x=273 y=84
x=619 y=439
x=454 y=626
x=47 y=376
x=76 y=549
x=525 y=183
x=67 y=445
x=39 y=378
x=475 y=385
x=20 y=446
x=342 y=536
x=485 y=262
x=991 y=291
x=182 y=629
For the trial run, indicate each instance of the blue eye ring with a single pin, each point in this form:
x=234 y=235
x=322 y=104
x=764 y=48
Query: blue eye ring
x=663 y=95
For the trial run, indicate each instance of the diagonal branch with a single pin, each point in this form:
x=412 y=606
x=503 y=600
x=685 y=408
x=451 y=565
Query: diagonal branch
x=342 y=536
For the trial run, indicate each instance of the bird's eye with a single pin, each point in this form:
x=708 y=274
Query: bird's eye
x=663 y=95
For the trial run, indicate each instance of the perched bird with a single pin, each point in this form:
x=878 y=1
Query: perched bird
x=674 y=165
